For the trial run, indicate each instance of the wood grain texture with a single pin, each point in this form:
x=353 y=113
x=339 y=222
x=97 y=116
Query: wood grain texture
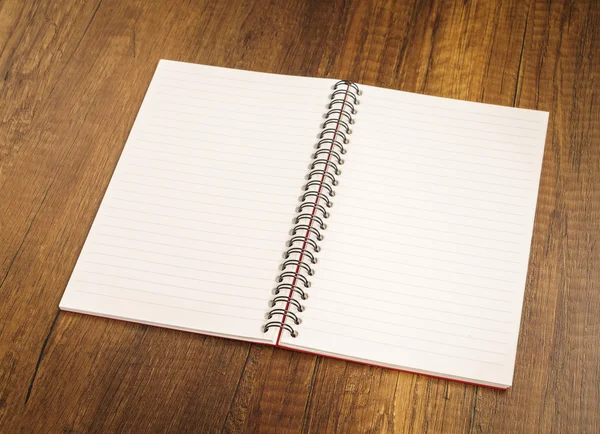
x=72 y=76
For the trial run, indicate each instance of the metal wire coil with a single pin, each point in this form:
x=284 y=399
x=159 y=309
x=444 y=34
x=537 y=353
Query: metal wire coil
x=303 y=245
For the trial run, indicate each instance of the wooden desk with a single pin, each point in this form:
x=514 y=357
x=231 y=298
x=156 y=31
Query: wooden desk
x=72 y=77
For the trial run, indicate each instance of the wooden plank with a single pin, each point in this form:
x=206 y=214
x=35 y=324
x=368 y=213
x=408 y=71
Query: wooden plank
x=556 y=387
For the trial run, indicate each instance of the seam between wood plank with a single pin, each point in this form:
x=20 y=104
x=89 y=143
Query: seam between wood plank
x=41 y=356
x=76 y=47
x=310 y=393
x=473 y=411
x=29 y=19
x=27 y=232
x=427 y=400
x=519 y=69
x=436 y=25
x=445 y=397
x=497 y=12
x=237 y=388
x=394 y=402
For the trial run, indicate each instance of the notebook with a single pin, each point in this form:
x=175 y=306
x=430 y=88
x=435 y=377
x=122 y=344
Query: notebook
x=324 y=216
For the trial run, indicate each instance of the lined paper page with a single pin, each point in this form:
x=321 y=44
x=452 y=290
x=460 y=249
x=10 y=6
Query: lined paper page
x=425 y=256
x=192 y=227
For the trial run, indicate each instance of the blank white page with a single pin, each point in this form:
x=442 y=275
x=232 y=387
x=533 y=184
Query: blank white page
x=425 y=257
x=193 y=225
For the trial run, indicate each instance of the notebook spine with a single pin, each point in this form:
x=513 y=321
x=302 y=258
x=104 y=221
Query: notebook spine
x=315 y=202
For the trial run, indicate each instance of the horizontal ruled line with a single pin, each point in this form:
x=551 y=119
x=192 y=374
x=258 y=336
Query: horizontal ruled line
x=191 y=130
x=228 y=119
x=218 y=161
x=403 y=243
x=439 y=202
x=204 y=73
x=179 y=227
x=228 y=315
x=304 y=316
x=230 y=107
x=444 y=291
x=404 y=347
x=185 y=218
x=257 y=103
x=408 y=264
x=179 y=246
x=164 y=169
x=422 y=218
x=435 y=166
x=381 y=155
x=161 y=178
x=203 y=203
x=412 y=104
x=203 y=193
x=174 y=286
x=129 y=200
x=398 y=252
x=217 y=144
x=180 y=297
x=204 y=133
x=369 y=299
x=184 y=238
x=421 y=276
x=487 y=148
x=154 y=252
x=375 y=121
x=272 y=92
x=437 y=184
x=443 y=176
x=404 y=206
x=176 y=217
x=404 y=225
x=355 y=235
x=164 y=264
x=461 y=136
x=203 y=157
x=403 y=148
x=376 y=319
x=408 y=336
x=406 y=294
x=172 y=275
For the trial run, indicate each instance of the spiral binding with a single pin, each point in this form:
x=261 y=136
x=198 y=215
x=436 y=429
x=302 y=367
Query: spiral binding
x=309 y=224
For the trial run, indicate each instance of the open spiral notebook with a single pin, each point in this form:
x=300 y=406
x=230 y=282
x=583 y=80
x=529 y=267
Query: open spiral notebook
x=325 y=216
